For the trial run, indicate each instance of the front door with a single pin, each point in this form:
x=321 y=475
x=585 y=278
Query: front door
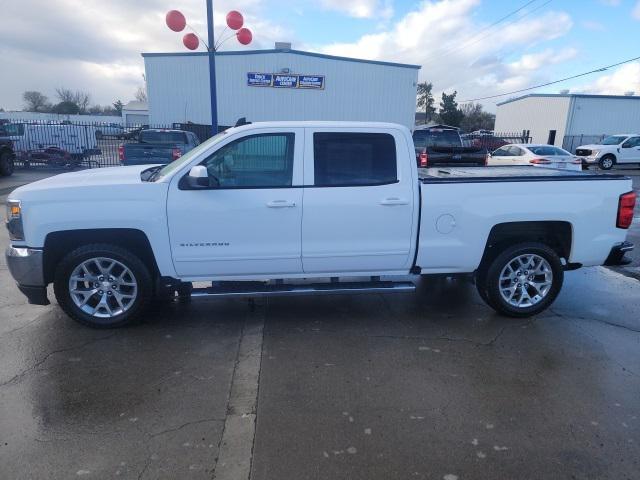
x=248 y=222
x=630 y=151
x=358 y=202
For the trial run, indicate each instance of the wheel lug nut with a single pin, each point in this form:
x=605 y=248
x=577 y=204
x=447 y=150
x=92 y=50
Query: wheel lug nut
x=100 y=292
x=101 y=278
x=114 y=286
x=109 y=293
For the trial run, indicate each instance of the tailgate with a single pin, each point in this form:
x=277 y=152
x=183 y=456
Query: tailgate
x=142 y=153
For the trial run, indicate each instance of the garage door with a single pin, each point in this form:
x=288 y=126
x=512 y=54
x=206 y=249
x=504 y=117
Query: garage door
x=136 y=119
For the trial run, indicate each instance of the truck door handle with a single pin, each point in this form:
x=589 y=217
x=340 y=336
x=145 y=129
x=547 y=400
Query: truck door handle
x=394 y=201
x=280 y=204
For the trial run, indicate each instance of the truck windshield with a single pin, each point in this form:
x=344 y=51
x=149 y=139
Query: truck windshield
x=613 y=140
x=436 y=138
x=186 y=158
x=152 y=136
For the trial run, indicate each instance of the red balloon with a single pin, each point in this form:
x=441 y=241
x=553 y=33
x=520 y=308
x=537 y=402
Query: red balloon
x=176 y=21
x=191 y=41
x=234 y=20
x=244 y=36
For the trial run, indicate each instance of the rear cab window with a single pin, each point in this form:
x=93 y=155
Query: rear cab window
x=354 y=159
x=436 y=138
x=152 y=136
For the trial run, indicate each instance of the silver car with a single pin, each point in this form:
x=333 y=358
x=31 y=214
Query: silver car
x=536 y=155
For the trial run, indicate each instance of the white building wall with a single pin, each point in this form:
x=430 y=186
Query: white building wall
x=537 y=114
x=601 y=115
x=178 y=89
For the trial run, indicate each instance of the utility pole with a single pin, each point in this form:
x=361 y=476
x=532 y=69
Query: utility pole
x=212 y=68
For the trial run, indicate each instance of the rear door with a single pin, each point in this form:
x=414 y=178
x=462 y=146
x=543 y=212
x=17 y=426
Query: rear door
x=358 y=201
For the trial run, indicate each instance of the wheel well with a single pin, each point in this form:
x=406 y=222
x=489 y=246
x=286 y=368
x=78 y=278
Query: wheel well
x=557 y=235
x=58 y=244
x=610 y=155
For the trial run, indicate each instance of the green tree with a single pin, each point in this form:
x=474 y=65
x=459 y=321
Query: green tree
x=66 y=107
x=475 y=118
x=425 y=100
x=117 y=106
x=450 y=114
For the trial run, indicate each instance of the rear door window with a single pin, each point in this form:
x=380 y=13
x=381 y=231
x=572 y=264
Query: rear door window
x=354 y=159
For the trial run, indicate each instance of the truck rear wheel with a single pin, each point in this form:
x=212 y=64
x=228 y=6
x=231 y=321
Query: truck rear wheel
x=102 y=285
x=523 y=280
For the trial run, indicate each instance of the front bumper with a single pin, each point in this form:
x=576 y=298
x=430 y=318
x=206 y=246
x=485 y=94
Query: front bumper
x=27 y=268
x=616 y=256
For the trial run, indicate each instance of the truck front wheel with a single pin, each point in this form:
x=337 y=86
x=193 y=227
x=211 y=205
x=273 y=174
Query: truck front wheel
x=607 y=162
x=523 y=280
x=102 y=285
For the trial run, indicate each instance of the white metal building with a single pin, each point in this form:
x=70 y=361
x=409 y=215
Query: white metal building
x=278 y=84
x=135 y=113
x=551 y=117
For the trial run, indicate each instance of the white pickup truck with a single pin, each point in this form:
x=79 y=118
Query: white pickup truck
x=292 y=208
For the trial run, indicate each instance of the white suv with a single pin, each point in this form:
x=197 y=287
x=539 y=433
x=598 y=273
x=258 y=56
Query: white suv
x=621 y=148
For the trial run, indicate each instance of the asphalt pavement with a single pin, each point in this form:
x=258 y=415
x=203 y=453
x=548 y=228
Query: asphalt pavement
x=432 y=385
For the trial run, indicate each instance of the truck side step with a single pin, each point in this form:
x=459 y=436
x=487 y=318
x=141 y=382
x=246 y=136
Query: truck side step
x=284 y=290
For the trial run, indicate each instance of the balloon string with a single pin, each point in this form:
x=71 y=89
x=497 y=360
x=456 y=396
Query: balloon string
x=222 y=41
x=217 y=45
x=198 y=35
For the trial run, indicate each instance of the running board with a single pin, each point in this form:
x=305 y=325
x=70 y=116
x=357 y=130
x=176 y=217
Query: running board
x=284 y=290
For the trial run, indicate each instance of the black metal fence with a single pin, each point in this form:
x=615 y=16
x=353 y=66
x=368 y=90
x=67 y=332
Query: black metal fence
x=494 y=140
x=77 y=144
x=571 y=142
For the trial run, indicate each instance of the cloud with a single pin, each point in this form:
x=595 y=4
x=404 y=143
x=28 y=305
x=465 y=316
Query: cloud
x=636 y=11
x=625 y=78
x=95 y=46
x=610 y=3
x=361 y=8
x=440 y=37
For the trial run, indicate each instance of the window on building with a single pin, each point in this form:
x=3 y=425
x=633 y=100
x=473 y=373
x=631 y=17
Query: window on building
x=350 y=159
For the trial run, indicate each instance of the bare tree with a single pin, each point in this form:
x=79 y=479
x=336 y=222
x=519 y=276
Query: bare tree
x=79 y=98
x=82 y=99
x=65 y=94
x=35 y=101
x=141 y=94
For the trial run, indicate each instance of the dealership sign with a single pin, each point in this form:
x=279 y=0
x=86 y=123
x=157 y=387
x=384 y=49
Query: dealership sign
x=278 y=80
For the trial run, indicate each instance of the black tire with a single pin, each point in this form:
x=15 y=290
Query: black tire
x=488 y=283
x=607 y=162
x=138 y=269
x=6 y=164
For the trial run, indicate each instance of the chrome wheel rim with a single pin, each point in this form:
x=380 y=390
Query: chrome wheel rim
x=607 y=163
x=525 y=280
x=103 y=287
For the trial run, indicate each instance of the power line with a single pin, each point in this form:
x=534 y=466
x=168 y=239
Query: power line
x=601 y=69
x=473 y=39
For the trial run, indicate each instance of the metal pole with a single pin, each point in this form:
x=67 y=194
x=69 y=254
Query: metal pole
x=212 y=68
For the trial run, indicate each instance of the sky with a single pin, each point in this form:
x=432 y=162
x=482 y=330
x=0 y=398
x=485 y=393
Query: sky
x=466 y=46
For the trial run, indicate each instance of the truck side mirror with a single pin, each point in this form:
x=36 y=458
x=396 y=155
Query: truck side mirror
x=198 y=177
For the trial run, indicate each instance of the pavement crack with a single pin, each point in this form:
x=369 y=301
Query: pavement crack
x=180 y=427
x=26 y=371
x=599 y=320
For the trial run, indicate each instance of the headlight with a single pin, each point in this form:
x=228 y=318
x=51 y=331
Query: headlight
x=14 y=220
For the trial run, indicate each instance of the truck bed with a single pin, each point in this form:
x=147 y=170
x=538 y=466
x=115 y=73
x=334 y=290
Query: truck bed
x=507 y=174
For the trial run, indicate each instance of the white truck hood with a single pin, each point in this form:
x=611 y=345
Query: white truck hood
x=595 y=146
x=111 y=176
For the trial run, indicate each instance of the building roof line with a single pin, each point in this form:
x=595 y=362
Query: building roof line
x=569 y=95
x=280 y=50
